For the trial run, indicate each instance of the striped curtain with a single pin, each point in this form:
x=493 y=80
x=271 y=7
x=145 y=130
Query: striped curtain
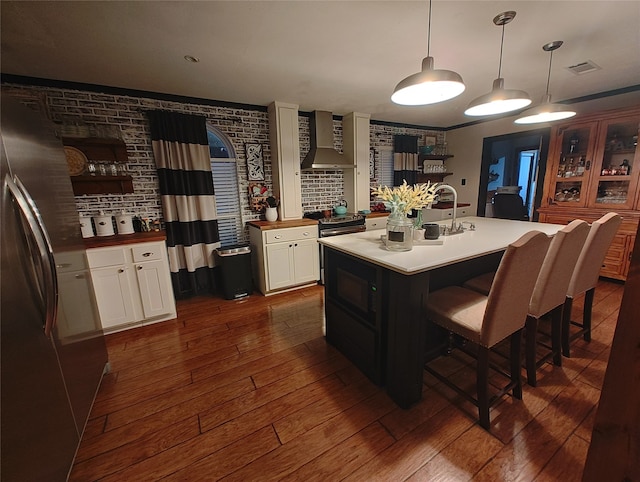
x=405 y=159
x=181 y=151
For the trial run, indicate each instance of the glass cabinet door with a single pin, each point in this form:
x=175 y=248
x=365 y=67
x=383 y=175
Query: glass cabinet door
x=573 y=162
x=616 y=177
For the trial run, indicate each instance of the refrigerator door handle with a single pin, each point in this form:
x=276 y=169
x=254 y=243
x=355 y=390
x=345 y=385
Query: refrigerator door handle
x=45 y=251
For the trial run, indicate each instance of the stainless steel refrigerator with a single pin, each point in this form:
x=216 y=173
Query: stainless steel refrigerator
x=53 y=352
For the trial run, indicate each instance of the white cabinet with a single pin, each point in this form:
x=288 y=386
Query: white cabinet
x=132 y=284
x=284 y=137
x=284 y=258
x=355 y=141
x=77 y=316
x=434 y=215
x=378 y=222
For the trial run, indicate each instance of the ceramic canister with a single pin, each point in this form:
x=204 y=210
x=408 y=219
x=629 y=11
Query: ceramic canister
x=85 y=227
x=104 y=225
x=124 y=223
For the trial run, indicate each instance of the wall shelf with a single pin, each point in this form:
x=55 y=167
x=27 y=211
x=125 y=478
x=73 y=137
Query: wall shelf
x=99 y=149
x=434 y=157
x=433 y=176
x=101 y=185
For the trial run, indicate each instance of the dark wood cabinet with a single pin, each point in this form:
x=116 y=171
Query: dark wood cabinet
x=594 y=168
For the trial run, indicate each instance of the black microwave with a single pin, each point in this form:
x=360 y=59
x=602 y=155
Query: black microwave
x=354 y=285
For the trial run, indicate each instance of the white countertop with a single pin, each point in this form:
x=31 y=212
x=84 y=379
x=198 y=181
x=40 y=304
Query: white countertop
x=491 y=235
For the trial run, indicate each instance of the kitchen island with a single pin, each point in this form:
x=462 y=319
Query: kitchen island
x=375 y=299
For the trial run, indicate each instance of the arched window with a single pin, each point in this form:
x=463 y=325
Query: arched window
x=225 y=184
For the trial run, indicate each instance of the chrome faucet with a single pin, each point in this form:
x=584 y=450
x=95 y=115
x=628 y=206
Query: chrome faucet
x=453 y=229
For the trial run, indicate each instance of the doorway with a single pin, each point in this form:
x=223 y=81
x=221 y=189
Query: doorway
x=514 y=163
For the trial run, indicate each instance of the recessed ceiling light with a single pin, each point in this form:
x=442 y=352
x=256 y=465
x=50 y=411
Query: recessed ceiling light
x=191 y=58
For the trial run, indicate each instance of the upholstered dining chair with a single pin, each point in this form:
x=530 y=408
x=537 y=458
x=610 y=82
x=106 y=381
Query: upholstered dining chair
x=549 y=293
x=585 y=277
x=486 y=320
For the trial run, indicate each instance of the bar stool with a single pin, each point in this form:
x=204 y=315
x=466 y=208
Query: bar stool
x=486 y=320
x=549 y=293
x=585 y=277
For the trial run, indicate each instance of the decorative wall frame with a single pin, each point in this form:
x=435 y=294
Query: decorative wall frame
x=255 y=162
x=429 y=140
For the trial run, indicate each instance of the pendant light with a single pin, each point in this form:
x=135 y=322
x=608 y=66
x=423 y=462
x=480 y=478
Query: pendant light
x=499 y=100
x=428 y=86
x=546 y=111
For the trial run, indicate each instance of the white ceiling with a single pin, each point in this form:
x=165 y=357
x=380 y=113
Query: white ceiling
x=340 y=56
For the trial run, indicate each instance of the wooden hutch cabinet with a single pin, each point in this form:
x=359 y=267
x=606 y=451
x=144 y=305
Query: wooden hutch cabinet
x=594 y=168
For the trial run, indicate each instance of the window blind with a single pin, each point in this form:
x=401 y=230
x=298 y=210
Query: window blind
x=225 y=184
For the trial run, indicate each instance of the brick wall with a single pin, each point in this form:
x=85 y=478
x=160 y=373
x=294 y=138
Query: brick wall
x=98 y=111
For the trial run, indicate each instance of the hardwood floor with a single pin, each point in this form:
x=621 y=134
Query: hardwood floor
x=249 y=390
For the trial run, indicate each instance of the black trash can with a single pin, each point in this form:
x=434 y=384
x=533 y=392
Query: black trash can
x=235 y=270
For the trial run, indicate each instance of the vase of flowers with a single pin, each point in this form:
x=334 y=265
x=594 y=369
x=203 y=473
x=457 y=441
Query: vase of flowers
x=400 y=200
x=271 y=209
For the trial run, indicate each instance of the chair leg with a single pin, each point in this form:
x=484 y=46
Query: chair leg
x=586 y=318
x=566 y=326
x=556 y=334
x=530 y=349
x=515 y=341
x=482 y=386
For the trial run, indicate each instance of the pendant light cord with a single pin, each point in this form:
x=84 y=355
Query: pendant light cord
x=429 y=31
x=549 y=74
x=501 y=46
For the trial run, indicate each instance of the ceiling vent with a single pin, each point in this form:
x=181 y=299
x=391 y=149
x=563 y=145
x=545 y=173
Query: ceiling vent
x=583 y=67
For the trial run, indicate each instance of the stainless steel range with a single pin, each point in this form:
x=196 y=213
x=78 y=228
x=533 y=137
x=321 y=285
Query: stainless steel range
x=334 y=226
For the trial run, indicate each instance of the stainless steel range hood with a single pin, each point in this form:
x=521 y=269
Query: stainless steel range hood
x=322 y=155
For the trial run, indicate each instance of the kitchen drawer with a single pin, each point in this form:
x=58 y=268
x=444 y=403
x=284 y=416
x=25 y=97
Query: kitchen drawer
x=148 y=252
x=100 y=258
x=70 y=261
x=461 y=212
x=291 y=234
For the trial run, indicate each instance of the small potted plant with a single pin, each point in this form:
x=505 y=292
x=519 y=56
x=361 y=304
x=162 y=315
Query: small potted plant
x=271 y=211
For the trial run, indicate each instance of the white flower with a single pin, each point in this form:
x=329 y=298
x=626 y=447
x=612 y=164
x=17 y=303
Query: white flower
x=404 y=198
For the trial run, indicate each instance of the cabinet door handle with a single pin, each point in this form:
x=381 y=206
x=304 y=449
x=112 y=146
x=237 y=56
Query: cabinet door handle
x=277 y=236
x=146 y=255
x=121 y=270
x=587 y=165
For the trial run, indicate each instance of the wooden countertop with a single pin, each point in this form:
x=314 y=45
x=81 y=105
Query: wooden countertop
x=377 y=214
x=449 y=205
x=119 y=239
x=291 y=223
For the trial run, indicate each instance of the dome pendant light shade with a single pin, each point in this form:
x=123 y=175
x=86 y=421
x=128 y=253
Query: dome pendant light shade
x=546 y=111
x=499 y=100
x=428 y=86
